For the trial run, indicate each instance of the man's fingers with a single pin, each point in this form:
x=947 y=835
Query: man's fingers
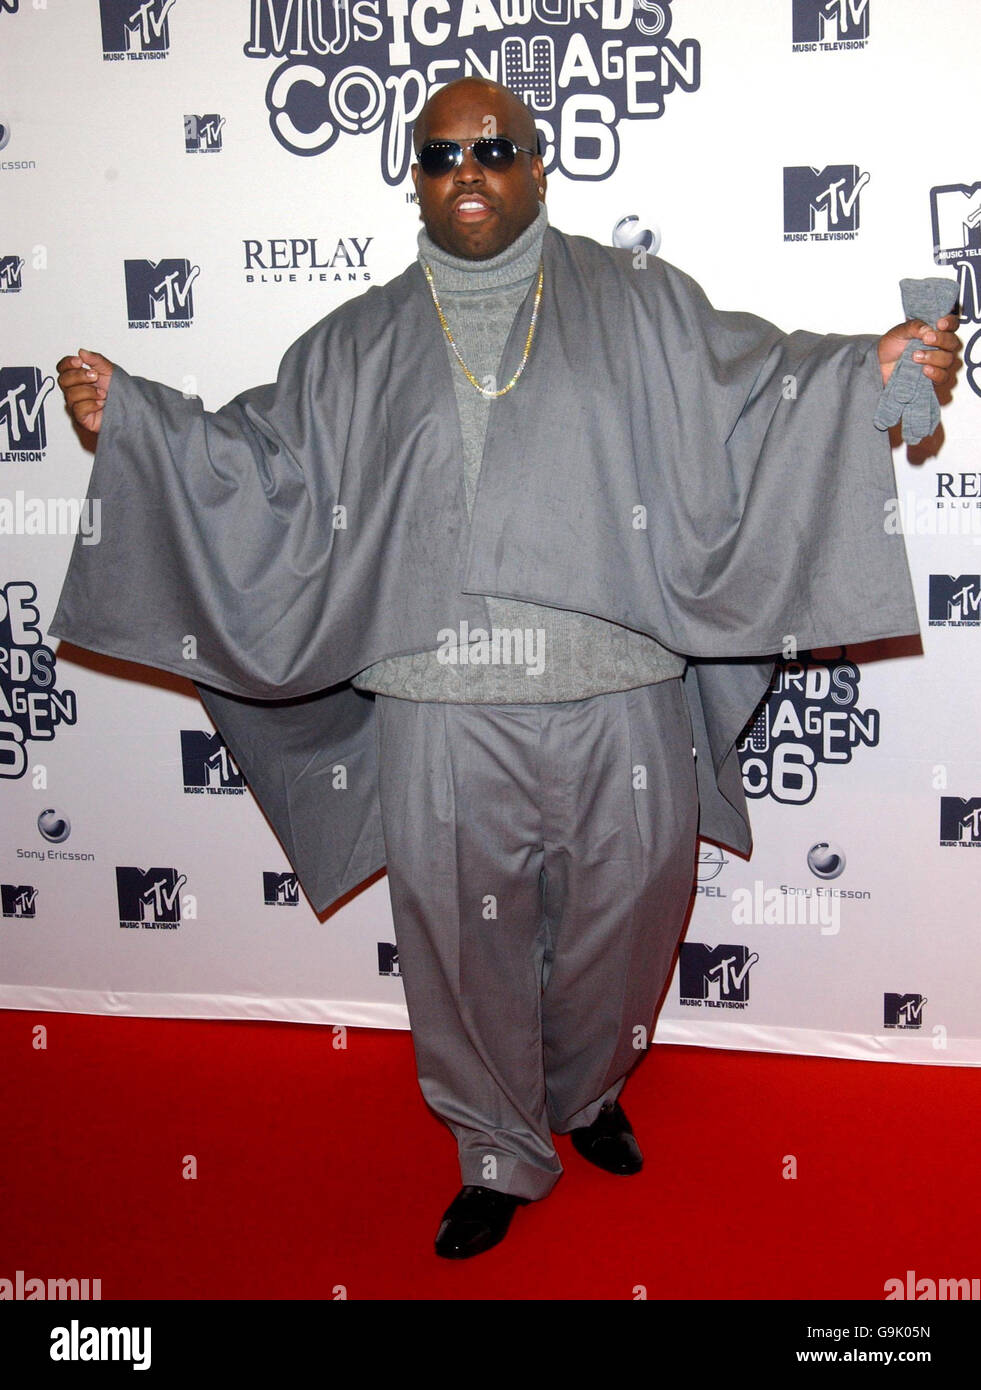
x=937 y=357
x=96 y=360
x=88 y=391
x=940 y=348
x=938 y=364
x=74 y=376
x=948 y=341
x=84 y=380
x=86 y=361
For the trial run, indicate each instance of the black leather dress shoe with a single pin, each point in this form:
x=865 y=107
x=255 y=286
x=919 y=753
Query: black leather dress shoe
x=609 y=1142
x=476 y=1219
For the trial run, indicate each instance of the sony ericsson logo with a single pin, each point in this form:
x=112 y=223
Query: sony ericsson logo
x=955 y=600
x=208 y=766
x=960 y=822
x=829 y=25
x=280 y=890
x=18 y=899
x=23 y=391
x=903 y=1010
x=135 y=29
x=152 y=898
x=810 y=716
x=54 y=825
x=825 y=860
x=10 y=164
x=10 y=274
x=955 y=210
x=631 y=234
x=30 y=706
x=354 y=69
x=158 y=293
x=822 y=204
x=714 y=977
x=202 y=134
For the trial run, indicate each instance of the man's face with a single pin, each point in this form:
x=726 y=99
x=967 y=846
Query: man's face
x=471 y=211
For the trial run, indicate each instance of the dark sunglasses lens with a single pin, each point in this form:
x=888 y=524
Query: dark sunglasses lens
x=438 y=157
x=494 y=153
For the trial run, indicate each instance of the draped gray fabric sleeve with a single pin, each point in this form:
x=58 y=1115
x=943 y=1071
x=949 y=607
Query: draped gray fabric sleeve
x=215 y=511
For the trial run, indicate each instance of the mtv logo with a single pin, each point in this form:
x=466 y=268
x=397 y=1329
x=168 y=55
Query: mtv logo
x=160 y=290
x=10 y=269
x=822 y=200
x=827 y=21
x=955 y=210
x=23 y=391
x=207 y=762
x=955 y=598
x=960 y=820
x=280 y=890
x=388 y=958
x=202 y=134
x=902 y=1010
x=528 y=68
x=18 y=899
x=129 y=26
x=720 y=973
x=153 y=896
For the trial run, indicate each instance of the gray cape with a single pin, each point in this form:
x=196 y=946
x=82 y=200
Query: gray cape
x=693 y=474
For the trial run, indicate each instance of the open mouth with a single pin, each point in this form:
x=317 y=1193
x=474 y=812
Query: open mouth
x=471 y=209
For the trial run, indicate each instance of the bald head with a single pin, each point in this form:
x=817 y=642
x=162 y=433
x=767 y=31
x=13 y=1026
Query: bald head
x=498 y=103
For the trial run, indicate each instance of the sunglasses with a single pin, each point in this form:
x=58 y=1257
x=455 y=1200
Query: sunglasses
x=494 y=152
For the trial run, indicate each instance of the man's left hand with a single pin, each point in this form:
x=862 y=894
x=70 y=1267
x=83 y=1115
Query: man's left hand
x=939 y=362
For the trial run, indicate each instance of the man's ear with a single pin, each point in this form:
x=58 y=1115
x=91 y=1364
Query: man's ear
x=537 y=160
x=415 y=178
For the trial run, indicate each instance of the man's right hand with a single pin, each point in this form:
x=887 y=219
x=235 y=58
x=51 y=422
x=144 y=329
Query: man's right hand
x=85 y=382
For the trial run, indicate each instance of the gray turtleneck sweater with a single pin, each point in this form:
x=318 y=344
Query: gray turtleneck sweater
x=563 y=655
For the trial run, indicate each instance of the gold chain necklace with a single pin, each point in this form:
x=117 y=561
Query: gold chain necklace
x=490 y=395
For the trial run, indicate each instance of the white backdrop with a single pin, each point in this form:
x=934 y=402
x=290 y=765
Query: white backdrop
x=798 y=180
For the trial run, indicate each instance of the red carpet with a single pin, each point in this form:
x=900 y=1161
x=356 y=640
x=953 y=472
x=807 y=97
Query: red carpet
x=319 y=1167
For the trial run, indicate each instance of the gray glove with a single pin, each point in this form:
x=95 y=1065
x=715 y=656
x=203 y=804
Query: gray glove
x=908 y=394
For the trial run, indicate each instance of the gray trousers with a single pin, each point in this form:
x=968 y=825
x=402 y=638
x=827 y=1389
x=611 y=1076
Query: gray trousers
x=541 y=860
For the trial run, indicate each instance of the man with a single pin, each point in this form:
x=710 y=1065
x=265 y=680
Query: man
x=507 y=471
